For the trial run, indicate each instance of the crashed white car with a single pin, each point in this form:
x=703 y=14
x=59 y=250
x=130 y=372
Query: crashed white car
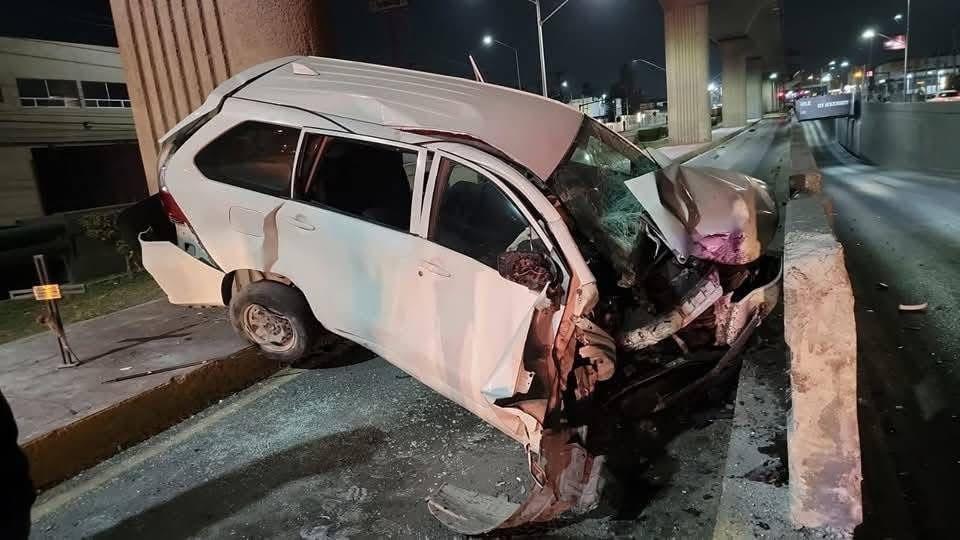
x=504 y=249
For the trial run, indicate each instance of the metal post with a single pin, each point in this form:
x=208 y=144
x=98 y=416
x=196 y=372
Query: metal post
x=53 y=313
x=906 y=52
x=543 y=62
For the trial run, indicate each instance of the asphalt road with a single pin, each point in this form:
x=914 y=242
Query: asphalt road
x=901 y=236
x=353 y=448
x=352 y=451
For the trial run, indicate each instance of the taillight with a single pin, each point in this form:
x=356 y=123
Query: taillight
x=174 y=212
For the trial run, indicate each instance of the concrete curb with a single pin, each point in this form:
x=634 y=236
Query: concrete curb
x=793 y=464
x=64 y=452
x=820 y=332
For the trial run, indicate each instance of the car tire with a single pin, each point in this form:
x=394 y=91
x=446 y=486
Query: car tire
x=277 y=318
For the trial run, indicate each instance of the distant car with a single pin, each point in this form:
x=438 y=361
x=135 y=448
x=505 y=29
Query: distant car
x=507 y=251
x=946 y=95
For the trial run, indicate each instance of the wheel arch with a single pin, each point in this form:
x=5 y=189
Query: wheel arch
x=236 y=280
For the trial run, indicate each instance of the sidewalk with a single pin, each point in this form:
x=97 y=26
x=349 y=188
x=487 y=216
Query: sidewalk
x=69 y=418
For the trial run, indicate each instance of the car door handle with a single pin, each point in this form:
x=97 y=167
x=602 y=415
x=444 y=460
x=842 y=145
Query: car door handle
x=427 y=266
x=301 y=222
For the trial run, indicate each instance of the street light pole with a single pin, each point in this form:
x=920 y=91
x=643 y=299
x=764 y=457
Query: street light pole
x=543 y=61
x=489 y=40
x=906 y=52
x=649 y=63
x=540 y=22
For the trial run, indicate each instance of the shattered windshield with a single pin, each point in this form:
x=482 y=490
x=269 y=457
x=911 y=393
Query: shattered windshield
x=590 y=183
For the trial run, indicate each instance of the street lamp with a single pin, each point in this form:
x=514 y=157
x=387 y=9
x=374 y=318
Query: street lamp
x=774 y=75
x=844 y=64
x=832 y=63
x=540 y=22
x=564 y=84
x=489 y=40
x=898 y=17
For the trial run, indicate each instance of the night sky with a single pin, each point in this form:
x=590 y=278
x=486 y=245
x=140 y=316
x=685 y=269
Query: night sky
x=586 y=42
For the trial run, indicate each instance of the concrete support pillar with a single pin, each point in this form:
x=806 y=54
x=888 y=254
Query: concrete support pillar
x=686 y=26
x=175 y=52
x=769 y=96
x=754 y=88
x=734 y=81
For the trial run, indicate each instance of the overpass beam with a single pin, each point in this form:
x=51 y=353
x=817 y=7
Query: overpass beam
x=734 y=81
x=686 y=29
x=175 y=53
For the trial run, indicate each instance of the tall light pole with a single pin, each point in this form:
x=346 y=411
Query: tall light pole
x=540 y=22
x=489 y=40
x=906 y=52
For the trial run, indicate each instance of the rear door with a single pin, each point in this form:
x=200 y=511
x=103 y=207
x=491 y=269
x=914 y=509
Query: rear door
x=345 y=237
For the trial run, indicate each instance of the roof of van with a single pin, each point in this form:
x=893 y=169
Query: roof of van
x=534 y=131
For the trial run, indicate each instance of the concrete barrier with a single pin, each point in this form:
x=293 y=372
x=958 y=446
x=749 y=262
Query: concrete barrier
x=66 y=451
x=823 y=442
x=905 y=135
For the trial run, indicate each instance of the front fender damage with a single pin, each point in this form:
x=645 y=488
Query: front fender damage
x=570 y=365
x=566 y=476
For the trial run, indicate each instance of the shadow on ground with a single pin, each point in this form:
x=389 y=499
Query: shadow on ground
x=189 y=512
x=335 y=352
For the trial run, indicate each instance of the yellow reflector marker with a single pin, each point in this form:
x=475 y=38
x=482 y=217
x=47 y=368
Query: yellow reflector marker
x=47 y=292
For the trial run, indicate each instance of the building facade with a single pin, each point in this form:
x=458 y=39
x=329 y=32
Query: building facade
x=67 y=137
x=925 y=77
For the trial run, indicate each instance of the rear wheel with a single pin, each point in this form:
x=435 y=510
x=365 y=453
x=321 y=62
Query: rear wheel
x=277 y=318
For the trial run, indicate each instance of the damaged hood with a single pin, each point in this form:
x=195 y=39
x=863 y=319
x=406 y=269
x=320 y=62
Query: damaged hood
x=711 y=214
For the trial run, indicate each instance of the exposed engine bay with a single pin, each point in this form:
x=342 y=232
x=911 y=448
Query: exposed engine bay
x=681 y=282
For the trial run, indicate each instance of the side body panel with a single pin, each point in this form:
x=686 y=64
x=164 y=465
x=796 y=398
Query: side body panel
x=236 y=225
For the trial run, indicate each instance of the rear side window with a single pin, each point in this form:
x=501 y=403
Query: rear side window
x=252 y=155
x=371 y=181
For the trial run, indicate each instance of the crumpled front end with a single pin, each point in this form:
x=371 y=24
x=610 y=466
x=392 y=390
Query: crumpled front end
x=654 y=330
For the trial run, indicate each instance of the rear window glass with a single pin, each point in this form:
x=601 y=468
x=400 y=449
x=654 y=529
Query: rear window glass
x=252 y=155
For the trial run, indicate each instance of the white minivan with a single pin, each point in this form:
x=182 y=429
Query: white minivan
x=507 y=251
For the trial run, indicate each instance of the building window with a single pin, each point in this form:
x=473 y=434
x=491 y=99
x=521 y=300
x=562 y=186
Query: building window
x=48 y=93
x=105 y=94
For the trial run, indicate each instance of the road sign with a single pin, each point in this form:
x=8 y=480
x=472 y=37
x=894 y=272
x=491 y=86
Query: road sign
x=829 y=106
x=379 y=6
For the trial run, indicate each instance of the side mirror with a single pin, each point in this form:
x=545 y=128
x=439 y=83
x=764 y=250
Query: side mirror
x=531 y=269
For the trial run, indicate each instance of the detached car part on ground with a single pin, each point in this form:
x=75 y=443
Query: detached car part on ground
x=504 y=249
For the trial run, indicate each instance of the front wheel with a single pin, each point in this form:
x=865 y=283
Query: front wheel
x=277 y=318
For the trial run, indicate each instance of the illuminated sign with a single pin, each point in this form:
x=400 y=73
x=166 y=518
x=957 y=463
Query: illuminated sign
x=830 y=106
x=897 y=43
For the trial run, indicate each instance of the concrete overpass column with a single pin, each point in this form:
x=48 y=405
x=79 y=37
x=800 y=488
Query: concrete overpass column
x=174 y=52
x=754 y=87
x=769 y=90
x=734 y=81
x=686 y=27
